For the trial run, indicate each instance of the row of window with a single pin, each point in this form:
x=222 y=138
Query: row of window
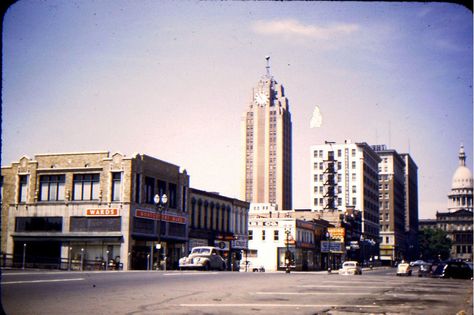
x=320 y=177
x=320 y=153
x=320 y=202
x=304 y=236
x=320 y=189
x=85 y=187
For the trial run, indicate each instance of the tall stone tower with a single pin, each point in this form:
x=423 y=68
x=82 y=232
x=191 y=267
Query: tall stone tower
x=266 y=141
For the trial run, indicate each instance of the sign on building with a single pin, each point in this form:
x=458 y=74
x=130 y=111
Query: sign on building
x=337 y=233
x=332 y=247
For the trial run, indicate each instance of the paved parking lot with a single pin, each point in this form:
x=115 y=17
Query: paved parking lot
x=374 y=292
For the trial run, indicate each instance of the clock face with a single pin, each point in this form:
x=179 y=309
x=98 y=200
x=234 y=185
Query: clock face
x=261 y=98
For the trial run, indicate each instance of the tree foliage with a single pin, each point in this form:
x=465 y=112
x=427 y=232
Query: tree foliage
x=434 y=244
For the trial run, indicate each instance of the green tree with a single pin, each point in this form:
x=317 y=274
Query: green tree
x=434 y=244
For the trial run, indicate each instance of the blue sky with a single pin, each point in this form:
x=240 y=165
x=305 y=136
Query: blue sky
x=172 y=79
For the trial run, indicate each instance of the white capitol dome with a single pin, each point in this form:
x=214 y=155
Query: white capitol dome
x=460 y=196
x=462 y=178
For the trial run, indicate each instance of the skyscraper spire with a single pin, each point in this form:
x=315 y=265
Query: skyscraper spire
x=268 y=65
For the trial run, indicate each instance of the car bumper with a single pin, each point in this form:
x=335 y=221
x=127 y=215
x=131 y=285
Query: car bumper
x=191 y=266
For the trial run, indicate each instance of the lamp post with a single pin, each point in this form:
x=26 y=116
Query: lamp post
x=160 y=202
x=287 y=253
x=24 y=256
x=82 y=259
x=328 y=237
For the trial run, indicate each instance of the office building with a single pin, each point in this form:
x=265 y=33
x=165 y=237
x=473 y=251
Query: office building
x=345 y=176
x=392 y=205
x=267 y=142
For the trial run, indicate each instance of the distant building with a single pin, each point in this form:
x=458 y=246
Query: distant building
x=457 y=222
x=411 y=207
x=392 y=205
x=220 y=221
x=345 y=176
x=266 y=141
x=82 y=210
x=272 y=233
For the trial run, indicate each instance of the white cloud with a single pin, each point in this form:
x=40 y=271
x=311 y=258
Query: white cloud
x=295 y=28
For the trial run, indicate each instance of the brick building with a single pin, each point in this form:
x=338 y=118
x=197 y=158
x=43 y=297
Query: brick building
x=80 y=210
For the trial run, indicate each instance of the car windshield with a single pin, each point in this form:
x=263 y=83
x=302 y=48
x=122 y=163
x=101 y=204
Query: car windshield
x=349 y=264
x=204 y=251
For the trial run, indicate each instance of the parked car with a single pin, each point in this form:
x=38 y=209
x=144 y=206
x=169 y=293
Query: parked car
x=417 y=263
x=403 y=269
x=424 y=270
x=350 y=268
x=453 y=269
x=203 y=257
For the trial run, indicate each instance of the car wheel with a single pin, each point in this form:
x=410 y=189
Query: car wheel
x=206 y=267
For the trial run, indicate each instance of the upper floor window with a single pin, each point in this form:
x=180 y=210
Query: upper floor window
x=276 y=235
x=86 y=186
x=51 y=187
x=173 y=195
x=23 y=191
x=116 y=186
x=149 y=189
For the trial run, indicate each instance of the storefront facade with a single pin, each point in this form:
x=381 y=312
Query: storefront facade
x=93 y=211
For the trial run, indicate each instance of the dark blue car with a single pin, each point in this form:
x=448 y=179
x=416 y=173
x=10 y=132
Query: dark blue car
x=453 y=269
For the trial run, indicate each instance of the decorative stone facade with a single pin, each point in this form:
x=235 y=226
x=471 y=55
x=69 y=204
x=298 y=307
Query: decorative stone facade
x=80 y=210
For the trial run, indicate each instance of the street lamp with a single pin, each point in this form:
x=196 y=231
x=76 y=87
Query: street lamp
x=328 y=238
x=287 y=254
x=24 y=255
x=160 y=202
x=82 y=259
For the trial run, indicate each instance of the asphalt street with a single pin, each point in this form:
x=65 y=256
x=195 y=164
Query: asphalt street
x=377 y=291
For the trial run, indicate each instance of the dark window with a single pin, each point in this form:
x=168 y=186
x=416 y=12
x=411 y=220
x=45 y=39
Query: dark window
x=162 y=188
x=173 y=202
x=51 y=187
x=149 y=189
x=176 y=229
x=137 y=188
x=39 y=224
x=183 y=198
x=86 y=186
x=86 y=224
x=141 y=225
x=250 y=235
x=116 y=186
x=276 y=235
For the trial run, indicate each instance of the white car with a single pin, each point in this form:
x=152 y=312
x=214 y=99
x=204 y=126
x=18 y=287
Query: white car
x=403 y=269
x=203 y=257
x=350 y=268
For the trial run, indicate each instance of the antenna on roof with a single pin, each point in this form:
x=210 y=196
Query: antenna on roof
x=268 y=65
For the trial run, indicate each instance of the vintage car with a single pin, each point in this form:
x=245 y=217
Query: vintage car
x=453 y=269
x=350 y=268
x=204 y=258
x=403 y=269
